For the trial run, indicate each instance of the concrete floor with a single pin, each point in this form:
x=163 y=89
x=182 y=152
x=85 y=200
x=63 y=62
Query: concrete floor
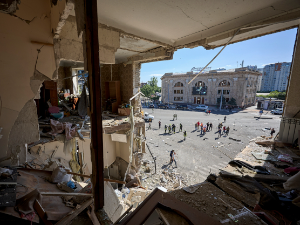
x=196 y=157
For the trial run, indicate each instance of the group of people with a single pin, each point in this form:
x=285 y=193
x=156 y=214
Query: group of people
x=172 y=128
x=224 y=129
x=203 y=127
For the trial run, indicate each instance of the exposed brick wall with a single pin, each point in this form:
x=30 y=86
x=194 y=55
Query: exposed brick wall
x=126 y=78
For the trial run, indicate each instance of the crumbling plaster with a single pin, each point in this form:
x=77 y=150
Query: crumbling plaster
x=292 y=103
x=18 y=61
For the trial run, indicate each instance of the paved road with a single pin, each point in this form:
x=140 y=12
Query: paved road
x=197 y=157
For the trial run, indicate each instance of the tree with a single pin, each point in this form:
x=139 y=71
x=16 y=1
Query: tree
x=151 y=87
x=232 y=101
x=153 y=81
x=147 y=90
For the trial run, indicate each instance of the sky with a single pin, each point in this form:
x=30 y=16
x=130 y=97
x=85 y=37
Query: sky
x=259 y=51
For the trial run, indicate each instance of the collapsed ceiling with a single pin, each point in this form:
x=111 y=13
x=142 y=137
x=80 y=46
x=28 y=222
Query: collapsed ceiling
x=153 y=30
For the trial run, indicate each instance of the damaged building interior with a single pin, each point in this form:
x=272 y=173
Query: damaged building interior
x=72 y=134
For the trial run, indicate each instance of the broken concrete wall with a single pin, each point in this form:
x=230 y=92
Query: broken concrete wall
x=18 y=61
x=292 y=104
x=109 y=72
x=122 y=149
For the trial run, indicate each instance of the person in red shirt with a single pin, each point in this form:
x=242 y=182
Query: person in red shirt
x=224 y=130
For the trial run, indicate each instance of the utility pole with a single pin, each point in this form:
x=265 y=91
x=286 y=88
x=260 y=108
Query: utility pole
x=168 y=95
x=221 y=99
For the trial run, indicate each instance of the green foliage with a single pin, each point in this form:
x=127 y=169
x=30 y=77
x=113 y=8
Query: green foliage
x=151 y=87
x=275 y=94
x=232 y=101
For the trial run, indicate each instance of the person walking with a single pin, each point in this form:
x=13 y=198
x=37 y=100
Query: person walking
x=272 y=132
x=172 y=154
x=166 y=127
x=224 y=130
x=227 y=130
x=184 y=135
x=201 y=129
x=149 y=127
x=198 y=124
x=224 y=119
x=159 y=124
x=174 y=128
x=219 y=131
x=207 y=125
x=204 y=129
x=180 y=127
x=170 y=129
x=209 y=112
x=210 y=126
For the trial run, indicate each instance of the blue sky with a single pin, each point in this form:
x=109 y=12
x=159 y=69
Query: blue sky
x=259 y=51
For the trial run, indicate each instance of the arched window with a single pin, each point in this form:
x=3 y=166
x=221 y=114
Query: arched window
x=178 y=84
x=200 y=84
x=224 y=83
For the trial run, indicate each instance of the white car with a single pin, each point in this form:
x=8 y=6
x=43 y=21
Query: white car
x=148 y=117
x=277 y=111
x=202 y=107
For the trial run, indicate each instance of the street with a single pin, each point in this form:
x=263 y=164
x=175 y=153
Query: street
x=200 y=155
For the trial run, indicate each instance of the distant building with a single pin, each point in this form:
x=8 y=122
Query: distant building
x=143 y=84
x=260 y=70
x=207 y=88
x=275 y=76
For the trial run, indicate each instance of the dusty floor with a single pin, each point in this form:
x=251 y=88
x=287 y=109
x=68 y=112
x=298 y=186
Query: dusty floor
x=199 y=155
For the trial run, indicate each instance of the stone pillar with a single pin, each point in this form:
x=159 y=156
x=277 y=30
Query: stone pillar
x=292 y=103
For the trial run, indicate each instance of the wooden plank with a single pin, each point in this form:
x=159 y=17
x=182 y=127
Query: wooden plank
x=68 y=218
x=41 y=212
x=92 y=64
x=64 y=194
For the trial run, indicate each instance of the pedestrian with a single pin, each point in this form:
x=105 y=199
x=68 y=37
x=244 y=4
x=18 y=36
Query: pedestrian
x=210 y=126
x=227 y=129
x=174 y=128
x=219 y=131
x=272 y=132
x=173 y=117
x=172 y=154
x=207 y=125
x=198 y=124
x=201 y=128
x=209 y=112
x=170 y=129
x=166 y=127
x=176 y=116
x=224 y=119
x=204 y=129
x=149 y=128
x=224 y=130
x=180 y=127
x=159 y=124
x=184 y=134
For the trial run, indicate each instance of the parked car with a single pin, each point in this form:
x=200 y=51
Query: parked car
x=277 y=111
x=162 y=106
x=183 y=107
x=151 y=106
x=202 y=107
x=148 y=117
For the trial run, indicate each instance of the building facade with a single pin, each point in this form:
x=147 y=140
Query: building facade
x=275 y=76
x=240 y=84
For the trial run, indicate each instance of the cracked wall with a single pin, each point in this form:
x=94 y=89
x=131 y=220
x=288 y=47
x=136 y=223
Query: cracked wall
x=18 y=62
